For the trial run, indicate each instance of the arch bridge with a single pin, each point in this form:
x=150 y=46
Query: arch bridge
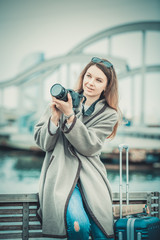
x=39 y=74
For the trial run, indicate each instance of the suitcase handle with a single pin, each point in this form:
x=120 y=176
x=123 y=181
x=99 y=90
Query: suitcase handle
x=121 y=147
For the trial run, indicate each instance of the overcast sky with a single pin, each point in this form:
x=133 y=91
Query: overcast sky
x=55 y=26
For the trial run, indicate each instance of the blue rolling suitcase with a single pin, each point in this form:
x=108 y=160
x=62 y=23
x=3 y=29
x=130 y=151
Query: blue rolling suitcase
x=147 y=228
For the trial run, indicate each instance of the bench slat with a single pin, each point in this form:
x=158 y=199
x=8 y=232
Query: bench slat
x=19 y=198
x=33 y=219
x=32 y=211
x=35 y=227
x=18 y=219
x=11 y=204
x=10 y=211
x=132 y=196
x=35 y=235
x=19 y=227
x=10 y=227
x=16 y=204
x=10 y=219
x=11 y=236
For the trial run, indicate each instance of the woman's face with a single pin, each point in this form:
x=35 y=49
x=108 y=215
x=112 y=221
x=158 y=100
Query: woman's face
x=94 y=82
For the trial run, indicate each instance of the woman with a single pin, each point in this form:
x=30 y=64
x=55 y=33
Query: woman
x=75 y=196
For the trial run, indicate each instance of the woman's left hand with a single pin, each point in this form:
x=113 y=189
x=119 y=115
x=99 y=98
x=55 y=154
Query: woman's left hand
x=65 y=107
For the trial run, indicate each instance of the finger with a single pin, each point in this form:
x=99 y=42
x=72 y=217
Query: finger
x=52 y=104
x=53 y=107
x=69 y=97
x=53 y=98
x=57 y=101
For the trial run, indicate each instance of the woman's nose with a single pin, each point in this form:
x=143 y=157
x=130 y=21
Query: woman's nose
x=91 y=82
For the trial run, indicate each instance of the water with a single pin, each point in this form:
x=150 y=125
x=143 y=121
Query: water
x=19 y=173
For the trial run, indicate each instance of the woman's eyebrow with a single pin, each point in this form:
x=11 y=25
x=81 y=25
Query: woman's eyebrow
x=100 y=78
x=95 y=77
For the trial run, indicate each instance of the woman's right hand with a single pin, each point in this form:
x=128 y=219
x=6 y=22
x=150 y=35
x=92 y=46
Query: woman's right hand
x=55 y=112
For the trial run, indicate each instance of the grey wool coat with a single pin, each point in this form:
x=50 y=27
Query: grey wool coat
x=72 y=156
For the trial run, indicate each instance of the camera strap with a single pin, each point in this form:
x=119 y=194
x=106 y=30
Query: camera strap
x=90 y=110
x=100 y=111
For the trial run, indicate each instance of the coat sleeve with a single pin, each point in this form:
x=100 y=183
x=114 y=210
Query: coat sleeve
x=89 y=141
x=42 y=134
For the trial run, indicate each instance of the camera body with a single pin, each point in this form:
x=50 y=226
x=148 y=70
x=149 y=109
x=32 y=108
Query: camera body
x=59 y=92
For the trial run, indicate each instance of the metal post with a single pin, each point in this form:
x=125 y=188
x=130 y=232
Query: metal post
x=120 y=182
x=142 y=120
x=109 y=45
x=25 y=232
x=132 y=98
x=21 y=108
x=126 y=147
x=127 y=177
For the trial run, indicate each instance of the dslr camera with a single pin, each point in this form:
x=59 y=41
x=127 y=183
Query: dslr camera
x=59 y=92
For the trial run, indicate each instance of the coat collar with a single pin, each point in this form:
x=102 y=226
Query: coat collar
x=90 y=110
x=98 y=107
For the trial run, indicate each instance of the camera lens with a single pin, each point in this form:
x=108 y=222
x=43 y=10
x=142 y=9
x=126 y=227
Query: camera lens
x=56 y=90
x=59 y=92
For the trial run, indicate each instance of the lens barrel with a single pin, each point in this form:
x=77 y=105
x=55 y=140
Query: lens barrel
x=59 y=92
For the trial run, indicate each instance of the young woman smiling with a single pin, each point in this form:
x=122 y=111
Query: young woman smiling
x=75 y=195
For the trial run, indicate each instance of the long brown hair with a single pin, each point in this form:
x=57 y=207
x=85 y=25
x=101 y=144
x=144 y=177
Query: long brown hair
x=111 y=91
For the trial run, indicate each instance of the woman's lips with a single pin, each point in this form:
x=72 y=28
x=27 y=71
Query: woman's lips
x=89 y=89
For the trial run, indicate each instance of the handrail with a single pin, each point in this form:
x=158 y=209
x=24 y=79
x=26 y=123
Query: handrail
x=50 y=65
x=129 y=27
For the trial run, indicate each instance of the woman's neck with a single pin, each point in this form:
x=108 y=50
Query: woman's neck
x=89 y=101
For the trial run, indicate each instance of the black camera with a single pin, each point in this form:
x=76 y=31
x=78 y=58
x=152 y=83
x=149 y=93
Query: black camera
x=59 y=92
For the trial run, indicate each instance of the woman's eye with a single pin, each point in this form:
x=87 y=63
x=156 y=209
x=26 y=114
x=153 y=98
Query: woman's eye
x=88 y=75
x=99 y=80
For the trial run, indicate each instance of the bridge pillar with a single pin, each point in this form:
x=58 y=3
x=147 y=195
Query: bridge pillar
x=132 y=99
x=2 y=105
x=143 y=85
x=109 y=46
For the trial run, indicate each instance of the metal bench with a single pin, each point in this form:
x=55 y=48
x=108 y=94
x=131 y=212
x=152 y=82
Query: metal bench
x=18 y=218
